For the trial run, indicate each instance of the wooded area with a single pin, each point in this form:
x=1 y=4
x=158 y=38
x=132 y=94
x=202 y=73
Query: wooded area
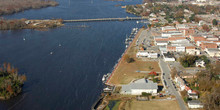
x=14 y=6
x=10 y=82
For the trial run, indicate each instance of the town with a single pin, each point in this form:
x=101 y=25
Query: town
x=171 y=65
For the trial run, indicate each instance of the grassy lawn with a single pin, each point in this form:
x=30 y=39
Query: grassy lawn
x=152 y=105
x=126 y=72
x=113 y=105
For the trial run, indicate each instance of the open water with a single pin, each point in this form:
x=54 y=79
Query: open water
x=64 y=66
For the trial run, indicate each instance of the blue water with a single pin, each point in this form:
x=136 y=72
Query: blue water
x=70 y=77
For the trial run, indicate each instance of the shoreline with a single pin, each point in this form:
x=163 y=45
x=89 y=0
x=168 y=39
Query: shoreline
x=123 y=54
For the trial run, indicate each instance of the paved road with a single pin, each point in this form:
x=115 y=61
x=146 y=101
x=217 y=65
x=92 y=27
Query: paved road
x=171 y=88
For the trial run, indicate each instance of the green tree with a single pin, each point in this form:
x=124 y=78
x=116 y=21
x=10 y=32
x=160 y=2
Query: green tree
x=214 y=22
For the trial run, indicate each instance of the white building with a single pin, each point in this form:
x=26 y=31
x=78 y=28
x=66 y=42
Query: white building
x=195 y=104
x=180 y=82
x=213 y=52
x=200 y=63
x=142 y=54
x=139 y=86
x=180 y=49
x=146 y=54
x=171 y=33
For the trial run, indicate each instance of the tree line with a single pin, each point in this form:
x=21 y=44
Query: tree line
x=12 y=24
x=14 y=6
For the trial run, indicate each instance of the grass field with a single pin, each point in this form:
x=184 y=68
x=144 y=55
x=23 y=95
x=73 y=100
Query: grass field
x=152 y=105
x=126 y=72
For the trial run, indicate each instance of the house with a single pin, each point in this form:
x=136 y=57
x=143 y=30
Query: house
x=193 y=95
x=200 y=63
x=189 y=90
x=195 y=104
x=139 y=86
x=168 y=57
x=180 y=82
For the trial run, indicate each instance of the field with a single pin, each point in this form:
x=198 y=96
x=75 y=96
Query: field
x=126 y=72
x=152 y=105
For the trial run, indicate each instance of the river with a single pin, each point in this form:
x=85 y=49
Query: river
x=64 y=66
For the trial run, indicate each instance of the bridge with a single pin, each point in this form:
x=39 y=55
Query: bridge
x=106 y=19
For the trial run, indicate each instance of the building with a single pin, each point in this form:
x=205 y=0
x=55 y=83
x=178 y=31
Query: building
x=192 y=50
x=146 y=54
x=213 y=52
x=200 y=63
x=161 y=43
x=193 y=95
x=142 y=54
x=168 y=28
x=180 y=82
x=205 y=45
x=194 y=104
x=139 y=86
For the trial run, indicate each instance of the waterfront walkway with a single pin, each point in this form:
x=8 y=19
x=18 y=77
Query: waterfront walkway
x=106 y=19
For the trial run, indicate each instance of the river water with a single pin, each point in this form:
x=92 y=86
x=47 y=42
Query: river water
x=64 y=66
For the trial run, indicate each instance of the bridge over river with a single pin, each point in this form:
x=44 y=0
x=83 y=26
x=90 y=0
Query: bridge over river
x=106 y=19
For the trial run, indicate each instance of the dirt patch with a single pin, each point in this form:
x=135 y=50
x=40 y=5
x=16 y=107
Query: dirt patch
x=152 y=105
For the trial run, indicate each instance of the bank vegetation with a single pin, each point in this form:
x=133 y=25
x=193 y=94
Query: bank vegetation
x=10 y=81
x=14 y=6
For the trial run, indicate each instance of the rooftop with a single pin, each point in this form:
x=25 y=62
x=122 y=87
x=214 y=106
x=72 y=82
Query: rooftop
x=140 y=84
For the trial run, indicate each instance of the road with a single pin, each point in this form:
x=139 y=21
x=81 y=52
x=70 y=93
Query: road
x=170 y=86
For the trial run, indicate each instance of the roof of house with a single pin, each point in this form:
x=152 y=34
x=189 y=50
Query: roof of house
x=140 y=84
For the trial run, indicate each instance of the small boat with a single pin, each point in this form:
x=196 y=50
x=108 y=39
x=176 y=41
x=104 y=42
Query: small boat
x=51 y=53
x=59 y=45
x=23 y=39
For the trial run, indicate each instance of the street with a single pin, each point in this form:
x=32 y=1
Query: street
x=170 y=86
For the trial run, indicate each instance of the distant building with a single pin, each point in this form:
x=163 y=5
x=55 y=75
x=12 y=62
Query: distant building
x=139 y=86
x=194 y=104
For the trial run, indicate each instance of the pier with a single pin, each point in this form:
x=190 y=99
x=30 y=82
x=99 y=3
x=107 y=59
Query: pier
x=106 y=19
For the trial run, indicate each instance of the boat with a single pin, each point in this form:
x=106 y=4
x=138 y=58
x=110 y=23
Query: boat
x=51 y=53
x=23 y=39
x=105 y=77
x=59 y=45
